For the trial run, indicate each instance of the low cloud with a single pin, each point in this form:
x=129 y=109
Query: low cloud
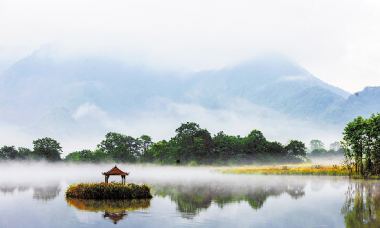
x=293 y=78
x=239 y=117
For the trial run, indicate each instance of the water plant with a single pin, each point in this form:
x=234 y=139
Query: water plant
x=108 y=191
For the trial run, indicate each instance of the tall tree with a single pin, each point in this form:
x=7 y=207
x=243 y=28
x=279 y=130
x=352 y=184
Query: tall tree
x=296 y=148
x=316 y=144
x=335 y=146
x=119 y=147
x=8 y=153
x=47 y=148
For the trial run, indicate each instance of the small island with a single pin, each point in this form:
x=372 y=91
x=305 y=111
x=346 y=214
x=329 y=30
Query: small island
x=107 y=190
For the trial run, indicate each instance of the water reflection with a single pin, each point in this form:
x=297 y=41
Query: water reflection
x=192 y=198
x=46 y=193
x=40 y=192
x=115 y=210
x=7 y=189
x=362 y=204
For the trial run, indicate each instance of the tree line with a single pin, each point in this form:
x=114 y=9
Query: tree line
x=317 y=149
x=191 y=145
x=44 y=149
x=361 y=144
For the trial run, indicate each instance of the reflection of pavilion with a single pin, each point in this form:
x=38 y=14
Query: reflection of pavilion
x=115 y=216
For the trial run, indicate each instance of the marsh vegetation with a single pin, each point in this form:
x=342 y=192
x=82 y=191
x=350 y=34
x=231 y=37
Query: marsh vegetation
x=108 y=191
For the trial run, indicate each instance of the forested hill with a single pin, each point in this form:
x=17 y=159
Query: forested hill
x=48 y=89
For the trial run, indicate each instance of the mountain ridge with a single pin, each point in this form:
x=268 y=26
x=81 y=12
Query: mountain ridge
x=34 y=86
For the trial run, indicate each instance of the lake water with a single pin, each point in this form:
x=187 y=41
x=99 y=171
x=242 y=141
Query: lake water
x=186 y=197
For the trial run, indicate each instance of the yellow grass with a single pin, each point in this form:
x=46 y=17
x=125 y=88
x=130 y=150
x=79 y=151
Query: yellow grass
x=304 y=169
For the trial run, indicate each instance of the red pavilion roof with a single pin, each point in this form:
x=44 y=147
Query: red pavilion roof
x=115 y=171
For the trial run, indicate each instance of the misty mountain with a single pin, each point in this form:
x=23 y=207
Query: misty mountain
x=271 y=81
x=35 y=85
x=44 y=91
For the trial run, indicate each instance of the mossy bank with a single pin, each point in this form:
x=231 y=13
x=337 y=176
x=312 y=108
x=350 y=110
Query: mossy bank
x=108 y=191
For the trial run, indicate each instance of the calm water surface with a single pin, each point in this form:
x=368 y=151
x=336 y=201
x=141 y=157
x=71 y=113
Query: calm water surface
x=194 y=198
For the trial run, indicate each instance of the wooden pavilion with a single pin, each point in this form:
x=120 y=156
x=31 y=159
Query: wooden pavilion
x=115 y=171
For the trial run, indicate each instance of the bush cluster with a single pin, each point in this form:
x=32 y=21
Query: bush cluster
x=108 y=191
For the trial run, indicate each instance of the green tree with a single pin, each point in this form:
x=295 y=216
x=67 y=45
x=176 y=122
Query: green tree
x=296 y=149
x=47 y=148
x=192 y=143
x=256 y=145
x=276 y=150
x=99 y=156
x=316 y=144
x=161 y=152
x=227 y=148
x=8 y=153
x=335 y=146
x=145 y=143
x=354 y=138
x=120 y=148
x=80 y=156
x=24 y=153
x=318 y=152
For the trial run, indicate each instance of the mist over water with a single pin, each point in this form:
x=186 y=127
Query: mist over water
x=182 y=197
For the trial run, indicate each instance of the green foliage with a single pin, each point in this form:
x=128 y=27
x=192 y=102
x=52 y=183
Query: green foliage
x=108 y=191
x=11 y=153
x=316 y=144
x=361 y=145
x=120 y=148
x=24 y=153
x=8 y=153
x=318 y=152
x=47 y=148
x=191 y=145
x=296 y=148
x=192 y=163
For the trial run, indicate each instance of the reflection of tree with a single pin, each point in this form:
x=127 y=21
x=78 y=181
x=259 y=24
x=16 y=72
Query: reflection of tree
x=23 y=189
x=317 y=186
x=46 y=193
x=362 y=205
x=193 y=198
x=114 y=210
x=6 y=189
x=189 y=199
x=295 y=191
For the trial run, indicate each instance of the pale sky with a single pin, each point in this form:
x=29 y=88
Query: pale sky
x=337 y=41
